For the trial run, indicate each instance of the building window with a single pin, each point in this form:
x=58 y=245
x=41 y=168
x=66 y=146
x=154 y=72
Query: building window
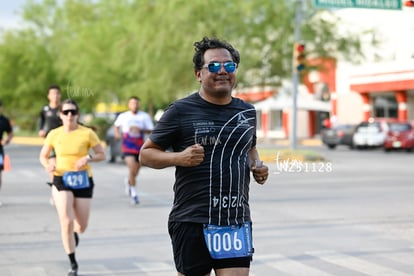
x=275 y=120
x=385 y=107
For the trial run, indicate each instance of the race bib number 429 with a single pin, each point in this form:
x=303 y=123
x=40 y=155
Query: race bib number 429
x=233 y=241
x=76 y=180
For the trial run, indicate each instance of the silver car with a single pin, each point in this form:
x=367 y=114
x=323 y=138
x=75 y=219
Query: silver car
x=338 y=135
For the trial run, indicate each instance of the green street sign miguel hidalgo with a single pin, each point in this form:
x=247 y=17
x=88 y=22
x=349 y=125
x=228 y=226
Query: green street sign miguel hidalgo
x=365 y=4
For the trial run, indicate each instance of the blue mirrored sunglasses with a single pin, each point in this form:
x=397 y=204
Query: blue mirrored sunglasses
x=214 y=67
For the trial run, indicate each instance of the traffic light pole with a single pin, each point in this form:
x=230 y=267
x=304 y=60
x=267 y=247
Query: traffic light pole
x=295 y=75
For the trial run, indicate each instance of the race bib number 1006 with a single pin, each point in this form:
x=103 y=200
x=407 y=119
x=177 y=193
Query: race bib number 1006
x=231 y=241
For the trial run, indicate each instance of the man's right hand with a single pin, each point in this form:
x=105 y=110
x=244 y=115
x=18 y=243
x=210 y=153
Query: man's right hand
x=192 y=156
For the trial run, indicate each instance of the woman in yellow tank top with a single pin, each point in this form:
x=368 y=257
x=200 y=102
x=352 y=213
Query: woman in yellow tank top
x=73 y=185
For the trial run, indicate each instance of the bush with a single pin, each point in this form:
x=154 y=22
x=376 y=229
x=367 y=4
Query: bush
x=101 y=126
x=25 y=124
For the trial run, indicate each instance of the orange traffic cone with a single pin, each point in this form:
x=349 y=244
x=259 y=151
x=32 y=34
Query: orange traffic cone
x=6 y=163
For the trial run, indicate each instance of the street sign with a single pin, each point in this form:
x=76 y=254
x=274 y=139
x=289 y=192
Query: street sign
x=366 y=4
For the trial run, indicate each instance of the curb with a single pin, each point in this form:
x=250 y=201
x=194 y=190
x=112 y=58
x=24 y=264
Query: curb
x=286 y=142
x=265 y=156
x=19 y=140
x=23 y=140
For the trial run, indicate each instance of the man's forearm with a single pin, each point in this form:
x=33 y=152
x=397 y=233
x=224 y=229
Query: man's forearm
x=157 y=159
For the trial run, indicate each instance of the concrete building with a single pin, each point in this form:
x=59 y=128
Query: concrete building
x=383 y=86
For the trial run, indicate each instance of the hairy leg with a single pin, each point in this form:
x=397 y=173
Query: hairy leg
x=233 y=271
x=179 y=274
x=133 y=168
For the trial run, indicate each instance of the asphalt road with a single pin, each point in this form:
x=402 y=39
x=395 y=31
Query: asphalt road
x=352 y=215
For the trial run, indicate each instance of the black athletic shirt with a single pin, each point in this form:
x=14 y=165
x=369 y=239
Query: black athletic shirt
x=5 y=127
x=217 y=190
x=49 y=119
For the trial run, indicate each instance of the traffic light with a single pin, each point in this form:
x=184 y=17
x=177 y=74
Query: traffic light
x=299 y=57
x=409 y=3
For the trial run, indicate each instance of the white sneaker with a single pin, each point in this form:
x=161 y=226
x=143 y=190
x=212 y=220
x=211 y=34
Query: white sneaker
x=134 y=200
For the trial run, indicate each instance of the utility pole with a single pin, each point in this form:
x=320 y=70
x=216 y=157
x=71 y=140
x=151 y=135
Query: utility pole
x=295 y=75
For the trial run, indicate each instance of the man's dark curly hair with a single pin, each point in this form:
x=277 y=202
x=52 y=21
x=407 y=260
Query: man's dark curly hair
x=205 y=44
x=54 y=86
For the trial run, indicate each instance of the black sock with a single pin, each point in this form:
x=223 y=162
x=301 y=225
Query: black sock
x=76 y=238
x=73 y=263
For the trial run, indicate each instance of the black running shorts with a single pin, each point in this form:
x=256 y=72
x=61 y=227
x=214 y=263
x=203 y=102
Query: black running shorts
x=82 y=193
x=135 y=155
x=190 y=251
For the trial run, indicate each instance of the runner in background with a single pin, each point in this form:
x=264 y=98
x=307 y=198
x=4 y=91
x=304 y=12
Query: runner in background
x=73 y=184
x=131 y=126
x=5 y=127
x=49 y=119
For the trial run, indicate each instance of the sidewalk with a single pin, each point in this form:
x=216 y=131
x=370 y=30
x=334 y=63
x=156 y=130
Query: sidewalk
x=21 y=140
x=286 y=142
x=25 y=140
x=268 y=149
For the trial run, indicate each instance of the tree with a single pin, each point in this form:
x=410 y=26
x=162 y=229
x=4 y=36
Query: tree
x=109 y=50
x=26 y=70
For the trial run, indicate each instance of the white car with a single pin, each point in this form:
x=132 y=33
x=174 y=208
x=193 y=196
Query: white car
x=370 y=134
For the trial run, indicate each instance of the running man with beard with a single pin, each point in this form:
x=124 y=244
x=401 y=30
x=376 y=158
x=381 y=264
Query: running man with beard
x=213 y=140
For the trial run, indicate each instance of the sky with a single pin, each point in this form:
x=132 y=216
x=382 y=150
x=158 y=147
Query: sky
x=8 y=13
x=394 y=27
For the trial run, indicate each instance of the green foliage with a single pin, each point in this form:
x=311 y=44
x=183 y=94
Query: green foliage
x=101 y=126
x=105 y=51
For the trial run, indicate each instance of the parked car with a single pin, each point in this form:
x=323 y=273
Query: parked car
x=371 y=133
x=113 y=144
x=399 y=136
x=338 y=135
